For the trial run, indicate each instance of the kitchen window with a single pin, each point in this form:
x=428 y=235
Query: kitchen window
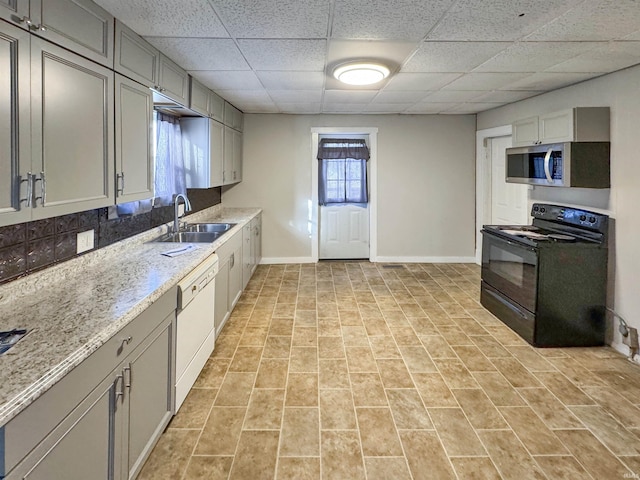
x=342 y=171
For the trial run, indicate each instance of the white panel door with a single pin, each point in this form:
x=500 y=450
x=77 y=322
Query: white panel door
x=344 y=232
x=508 y=200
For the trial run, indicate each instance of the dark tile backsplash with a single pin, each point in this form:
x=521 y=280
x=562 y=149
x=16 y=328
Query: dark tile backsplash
x=32 y=246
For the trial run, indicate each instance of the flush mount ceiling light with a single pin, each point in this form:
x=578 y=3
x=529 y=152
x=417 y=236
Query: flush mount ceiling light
x=361 y=73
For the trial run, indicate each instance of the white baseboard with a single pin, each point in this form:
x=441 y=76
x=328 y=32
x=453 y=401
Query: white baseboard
x=426 y=259
x=280 y=260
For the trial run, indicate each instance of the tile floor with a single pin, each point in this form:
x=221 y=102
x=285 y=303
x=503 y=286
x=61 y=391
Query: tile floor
x=353 y=370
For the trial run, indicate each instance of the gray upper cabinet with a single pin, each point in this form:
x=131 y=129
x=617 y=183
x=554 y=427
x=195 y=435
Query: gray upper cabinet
x=216 y=107
x=232 y=156
x=173 y=81
x=79 y=25
x=199 y=97
x=134 y=156
x=233 y=117
x=15 y=134
x=203 y=146
x=15 y=11
x=72 y=132
x=134 y=57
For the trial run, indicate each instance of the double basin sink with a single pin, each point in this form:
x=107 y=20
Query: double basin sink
x=197 y=233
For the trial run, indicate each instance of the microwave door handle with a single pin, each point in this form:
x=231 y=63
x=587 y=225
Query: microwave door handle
x=547 y=171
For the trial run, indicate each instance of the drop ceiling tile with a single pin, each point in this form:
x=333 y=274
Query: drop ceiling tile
x=470 y=108
x=400 y=96
x=546 y=81
x=353 y=108
x=391 y=52
x=268 y=19
x=295 y=55
x=633 y=36
x=498 y=20
x=420 y=81
x=245 y=96
x=427 y=108
x=484 y=81
x=300 y=108
x=506 y=96
x=201 y=53
x=167 y=18
x=386 y=108
x=593 y=20
x=296 y=96
x=535 y=56
x=444 y=96
x=391 y=19
x=228 y=80
x=266 y=107
x=349 y=96
x=612 y=56
x=291 y=80
x=452 y=56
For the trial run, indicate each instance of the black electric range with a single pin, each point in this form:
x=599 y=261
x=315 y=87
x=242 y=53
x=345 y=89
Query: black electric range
x=548 y=280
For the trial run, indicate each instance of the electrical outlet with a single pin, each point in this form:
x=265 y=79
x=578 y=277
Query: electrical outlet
x=84 y=241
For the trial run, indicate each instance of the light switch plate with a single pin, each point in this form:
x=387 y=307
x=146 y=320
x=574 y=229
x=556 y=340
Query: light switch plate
x=84 y=241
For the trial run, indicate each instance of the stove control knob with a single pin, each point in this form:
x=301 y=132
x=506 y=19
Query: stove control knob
x=583 y=218
x=542 y=210
x=592 y=219
x=536 y=208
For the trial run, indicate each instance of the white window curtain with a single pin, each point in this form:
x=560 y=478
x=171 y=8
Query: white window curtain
x=170 y=176
x=342 y=171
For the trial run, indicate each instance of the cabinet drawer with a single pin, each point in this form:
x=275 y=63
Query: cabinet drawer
x=32 y=425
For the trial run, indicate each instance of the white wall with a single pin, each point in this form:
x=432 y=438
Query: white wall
x=621 y=92
x=426 y=177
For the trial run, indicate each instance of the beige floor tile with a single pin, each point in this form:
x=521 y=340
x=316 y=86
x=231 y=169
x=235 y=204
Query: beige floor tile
x=474 y=359
x=574 y=371
x=470 y=326
x=306 y=318
x=394 y=374
x=341 y=455
x=423 y=326
x=272 y=373
x=337 y=410
x=305 y=337
x=425 y=455
x=417 y=359
x=616 y=405
x=281 y=326
x=475 y=468
x=452 y=425
x=265 y=410
x=378 y=432
x=405 y=336
x=536 y=437
x=565 y=467
x=235 y=389
x=246 y=359
x=625 y=382
x=515 y=373
x=330 y=347
x=354 y=336
x=385 y=468
x=302 y=390
x=329 y=327
x=551 y=410
x=170 y=456
x=454 y=335
x=509 y=456
x=455 y=374
x=433 y=390
x=253 y=337
x=367 y=390
x=208 y=467
x=608 y=430
x=408 y=410
x=284 y=310
x=593 y=455
x=632 y=463
x=333 y=373
x=225 y=346
x=256 y=456
x=277 y=347
x=384 y=347
x=489 y=346
x=304 y=359
x=480 y=411
x=498 y=389
x=221 y=432
x=531 y=359
x=300 y=432
x=194 y=411
x=564 y=389
x=437 y=346
x=376 y=327
x=298 y=468
x=360 y=359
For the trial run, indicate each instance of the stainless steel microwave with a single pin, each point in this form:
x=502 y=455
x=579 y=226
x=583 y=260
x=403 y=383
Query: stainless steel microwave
x=569 y=164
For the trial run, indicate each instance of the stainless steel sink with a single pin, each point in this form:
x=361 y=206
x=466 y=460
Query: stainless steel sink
x=189 y=237
x=210 y=227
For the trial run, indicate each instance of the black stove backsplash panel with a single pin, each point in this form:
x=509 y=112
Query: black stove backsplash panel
x=32 y=246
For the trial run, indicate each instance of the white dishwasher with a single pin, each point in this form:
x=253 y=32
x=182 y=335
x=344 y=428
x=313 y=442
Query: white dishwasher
x=195 y=331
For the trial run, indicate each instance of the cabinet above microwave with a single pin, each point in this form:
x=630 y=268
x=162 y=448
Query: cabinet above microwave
x=569 y=164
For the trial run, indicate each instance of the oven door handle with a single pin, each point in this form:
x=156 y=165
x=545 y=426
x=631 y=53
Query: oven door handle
x=547 y=170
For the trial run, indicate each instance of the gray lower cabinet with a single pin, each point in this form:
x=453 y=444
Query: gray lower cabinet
x=103 y=418
x=229 y=283
x=251 y=248
x=134 y=151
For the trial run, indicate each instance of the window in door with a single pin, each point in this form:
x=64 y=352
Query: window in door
x=342 y=171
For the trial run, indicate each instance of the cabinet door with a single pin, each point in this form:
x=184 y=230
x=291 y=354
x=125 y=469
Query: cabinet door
x=216 y=146
x=134 y=155
x=221 y=306
x=556 y=127
x=149 y=380
x=258 y=241
x=79 y=25
x=525 y=132
x=237 y=156
x=14 y=11
x=87 y=434
x=15 y=135
x=235 y=273
x=247 y=257
x=173 y=81
x=72 y=131
x=199 y=97
x=228 y=156
x=134 y=57
x=216 y=107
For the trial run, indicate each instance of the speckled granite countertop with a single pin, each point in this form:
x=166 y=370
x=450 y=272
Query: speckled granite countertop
x=73 y=308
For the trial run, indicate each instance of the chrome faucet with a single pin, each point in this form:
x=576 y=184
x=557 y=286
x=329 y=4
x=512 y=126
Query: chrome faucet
x=176 y=203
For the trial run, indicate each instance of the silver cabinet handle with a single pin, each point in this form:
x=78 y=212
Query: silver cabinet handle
x=120 y=393
x=127 y=376
x=232 y=260
x=29 y=181
x=31 y=26
x=43 y=190
x=120 y=183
